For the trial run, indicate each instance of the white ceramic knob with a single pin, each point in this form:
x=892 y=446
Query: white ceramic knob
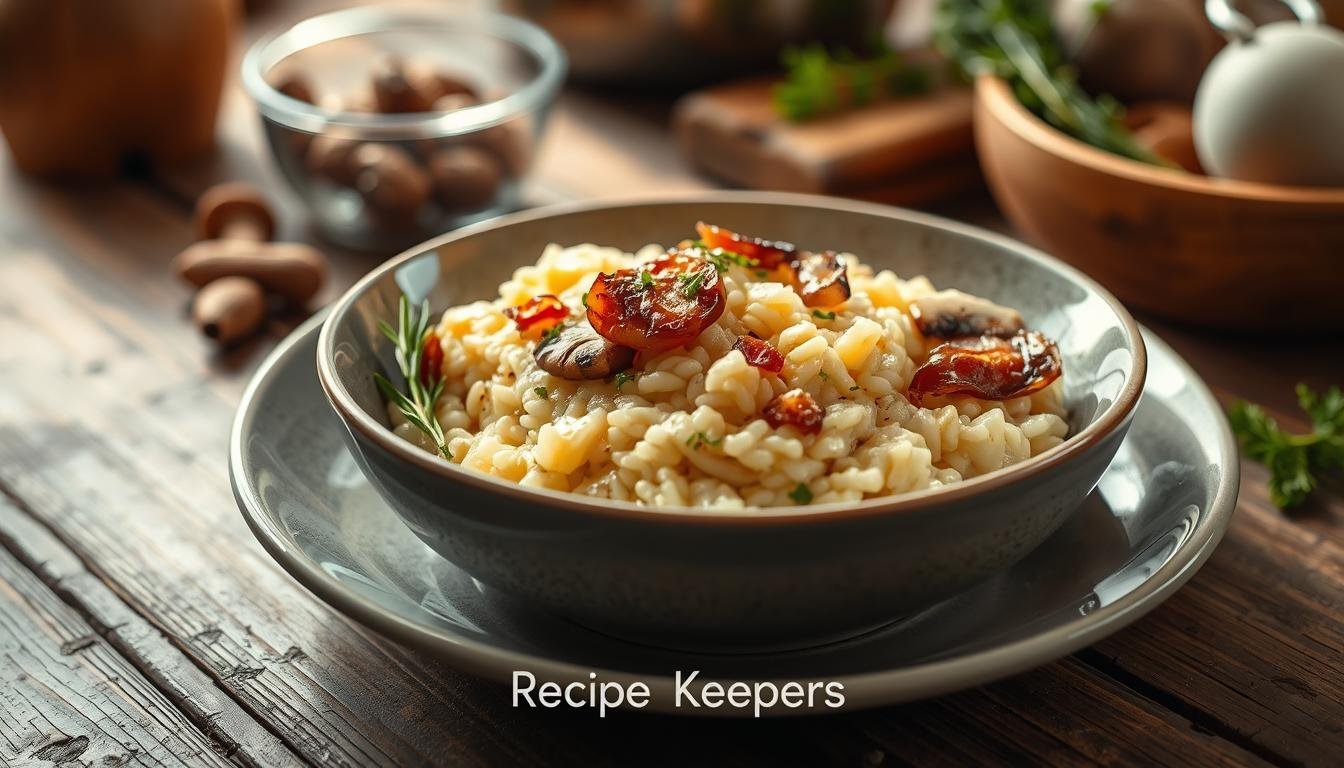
x=1270 y=108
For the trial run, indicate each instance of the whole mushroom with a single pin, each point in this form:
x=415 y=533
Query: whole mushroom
x=235 y=264
x=1136 y=50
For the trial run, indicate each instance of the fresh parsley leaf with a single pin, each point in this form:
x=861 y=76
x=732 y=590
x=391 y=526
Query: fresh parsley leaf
x=818 y=83
x=623 y=377
x=1295 y=461
x=541 y=391
x=645 y=279
x=823 y=314
x=585 y=300
x=801 y=494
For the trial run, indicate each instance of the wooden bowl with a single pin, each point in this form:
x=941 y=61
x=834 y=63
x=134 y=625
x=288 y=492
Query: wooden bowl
x=1210 y=252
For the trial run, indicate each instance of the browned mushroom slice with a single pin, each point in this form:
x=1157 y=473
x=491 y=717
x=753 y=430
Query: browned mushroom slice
x=578 y=352
x=953 y=314
x=820 y=279
x=988 y=367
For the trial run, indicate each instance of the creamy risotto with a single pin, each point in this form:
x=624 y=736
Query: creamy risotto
x=734 y=372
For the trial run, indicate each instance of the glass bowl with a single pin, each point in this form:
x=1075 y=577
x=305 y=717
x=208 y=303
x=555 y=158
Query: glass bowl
x=384 y=180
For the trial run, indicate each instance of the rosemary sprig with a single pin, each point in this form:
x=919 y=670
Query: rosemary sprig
x=1014 y=39
x=417 y=402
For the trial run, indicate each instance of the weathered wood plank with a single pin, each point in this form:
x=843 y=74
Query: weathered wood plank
x=114 y=435
x=69 y=698
x=212 y=710
x=1255 y=642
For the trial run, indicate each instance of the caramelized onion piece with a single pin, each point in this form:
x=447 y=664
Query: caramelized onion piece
x=767 y=254
x=795 y=408
x=657 y=306
x=821 y=279
x=578 y=352
x=760 y=354
x=538 y=314
x=988 y=367
x=431 y=359
x=953 y=314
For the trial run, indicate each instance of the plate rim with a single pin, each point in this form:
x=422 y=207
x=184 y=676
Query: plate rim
x=862 y=691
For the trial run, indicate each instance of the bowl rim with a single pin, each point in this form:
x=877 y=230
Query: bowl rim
x=271 y=49
x=1112 y=418
x=994 y=94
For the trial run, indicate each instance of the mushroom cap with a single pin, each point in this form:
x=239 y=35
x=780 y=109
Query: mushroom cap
x=228 y=202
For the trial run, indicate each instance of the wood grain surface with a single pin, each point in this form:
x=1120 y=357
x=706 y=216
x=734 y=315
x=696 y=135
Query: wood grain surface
x=141 y=623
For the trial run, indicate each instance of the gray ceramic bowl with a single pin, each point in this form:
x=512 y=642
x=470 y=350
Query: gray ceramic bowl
x=762 y=578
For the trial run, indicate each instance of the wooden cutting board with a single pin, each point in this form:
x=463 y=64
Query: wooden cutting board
x=911 y=150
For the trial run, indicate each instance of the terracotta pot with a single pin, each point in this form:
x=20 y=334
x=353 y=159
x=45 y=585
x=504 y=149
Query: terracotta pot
x=1209 y=252
x=85 y=85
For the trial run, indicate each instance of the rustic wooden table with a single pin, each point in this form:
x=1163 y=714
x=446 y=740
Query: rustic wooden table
x=140 y=622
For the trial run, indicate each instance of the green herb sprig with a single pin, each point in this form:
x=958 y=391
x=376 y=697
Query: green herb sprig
x=1296 y=462
x=1015 y=40
x=817 y=83
x=417 y=402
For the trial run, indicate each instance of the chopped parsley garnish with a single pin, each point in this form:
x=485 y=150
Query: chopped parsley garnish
x=585 y=299
x=824 y=376
x=700 y=438
x=625 y=376
x=723 y=259
x=552 y=332
x=823 y=314
x=854 y=388
x=645 y=279
x=690 y=284
x=541 y=391
x=801 y=494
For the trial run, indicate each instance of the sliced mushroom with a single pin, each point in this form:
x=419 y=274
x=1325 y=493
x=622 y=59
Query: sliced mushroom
x=952 y=314
x=988 y=367
x=820 y=278
x=578 y=352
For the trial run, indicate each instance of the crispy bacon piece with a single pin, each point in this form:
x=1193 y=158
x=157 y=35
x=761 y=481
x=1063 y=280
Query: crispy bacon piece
x=577 y=352
x=538 y=314
x=797 y=409
x=820 y=278
x=657 y=306
x=431 y=359
x=988 y=367
x=760 y=354
x=767 y=254
x=953 y=314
